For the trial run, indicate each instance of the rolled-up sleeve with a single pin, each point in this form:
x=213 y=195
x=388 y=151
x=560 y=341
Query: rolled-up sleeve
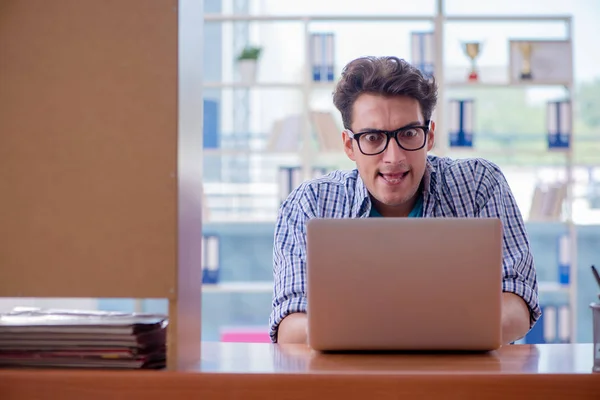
x=289 y=261
x=519 y=274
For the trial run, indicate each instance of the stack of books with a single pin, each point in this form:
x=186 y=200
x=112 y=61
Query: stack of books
x=32 y=337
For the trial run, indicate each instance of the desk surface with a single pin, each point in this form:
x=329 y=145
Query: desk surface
x=260 y=371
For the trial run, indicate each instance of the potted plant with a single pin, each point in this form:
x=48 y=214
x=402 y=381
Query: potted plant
x=247 y=63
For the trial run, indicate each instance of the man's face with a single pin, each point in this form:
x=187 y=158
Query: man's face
x=393 y=176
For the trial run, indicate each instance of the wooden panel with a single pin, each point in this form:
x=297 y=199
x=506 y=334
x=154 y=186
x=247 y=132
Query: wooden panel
x=88 y=148
x=150 y=386
x=261 y=371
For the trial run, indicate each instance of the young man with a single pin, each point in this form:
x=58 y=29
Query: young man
x=386 y=106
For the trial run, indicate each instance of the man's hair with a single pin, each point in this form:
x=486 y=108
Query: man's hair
x=386 y=76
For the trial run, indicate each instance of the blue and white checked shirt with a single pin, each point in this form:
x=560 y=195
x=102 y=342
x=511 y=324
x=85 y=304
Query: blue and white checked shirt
x=451 y=188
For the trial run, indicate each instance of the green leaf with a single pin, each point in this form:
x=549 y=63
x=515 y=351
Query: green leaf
x=250 y=53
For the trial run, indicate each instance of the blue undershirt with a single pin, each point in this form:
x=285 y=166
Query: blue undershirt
x=416 y=212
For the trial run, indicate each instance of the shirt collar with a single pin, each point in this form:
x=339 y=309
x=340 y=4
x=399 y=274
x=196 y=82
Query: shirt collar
x=429 y=179
x=361 y=203
x=429 y=184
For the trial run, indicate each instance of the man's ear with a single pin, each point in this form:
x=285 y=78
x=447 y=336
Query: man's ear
x=348 y=145
x=431 y=137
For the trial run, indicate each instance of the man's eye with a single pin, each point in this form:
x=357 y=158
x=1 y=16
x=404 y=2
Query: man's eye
x=410 y=133
x=373 y=137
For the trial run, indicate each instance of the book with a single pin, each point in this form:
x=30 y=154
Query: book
x=77 y=338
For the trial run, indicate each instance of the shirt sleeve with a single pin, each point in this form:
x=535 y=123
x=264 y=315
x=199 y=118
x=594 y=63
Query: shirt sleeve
x=519 y=274
x=289 y=260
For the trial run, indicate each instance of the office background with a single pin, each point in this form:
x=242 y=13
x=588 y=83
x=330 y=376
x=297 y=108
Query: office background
x=255 y=128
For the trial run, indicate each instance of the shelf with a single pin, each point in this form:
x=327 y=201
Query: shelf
x=249 y=152
x=465 y=152
x=235 y=219
x=490 y=85
x=547 y=221
x=454 y=152
x=272 y=153
x=317 y=85
x=308 y=18
x=239 y=287
x=245 y=188
x=330 y=85
x=252 y=85
x=553 y=287
x=267 y=287
x=507 y=18
x=387 y=17
x=321 y=85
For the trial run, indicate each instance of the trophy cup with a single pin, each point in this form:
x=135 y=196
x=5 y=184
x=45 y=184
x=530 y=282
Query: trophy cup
x=472 y=50
x=526 y=48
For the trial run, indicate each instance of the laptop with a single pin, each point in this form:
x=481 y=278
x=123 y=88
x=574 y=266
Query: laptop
x=404 y=284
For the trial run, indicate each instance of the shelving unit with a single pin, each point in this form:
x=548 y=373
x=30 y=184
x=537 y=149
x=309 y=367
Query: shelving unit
x=309 y=155
x=242 y=85
x=267 y=287
x=239 y=287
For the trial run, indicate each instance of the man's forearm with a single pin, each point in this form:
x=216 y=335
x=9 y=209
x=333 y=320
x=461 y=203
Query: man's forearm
x=515 y=322
x=515 y=317
x=293 y=329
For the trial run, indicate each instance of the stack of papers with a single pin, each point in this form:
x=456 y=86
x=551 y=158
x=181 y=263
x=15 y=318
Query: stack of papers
x=32 y=337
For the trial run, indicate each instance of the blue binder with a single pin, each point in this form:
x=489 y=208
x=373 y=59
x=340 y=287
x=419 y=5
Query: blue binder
x=559 y=124
x=210 y=259
x=423 y=52
x=461 y=123
x=552 y=327
x=289 y=179
x=211 y=124
x=322 y=51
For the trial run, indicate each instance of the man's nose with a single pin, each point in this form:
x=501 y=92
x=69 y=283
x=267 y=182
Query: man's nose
x=394 y=154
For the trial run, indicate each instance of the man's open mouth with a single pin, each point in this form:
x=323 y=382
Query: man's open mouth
x=394 y=179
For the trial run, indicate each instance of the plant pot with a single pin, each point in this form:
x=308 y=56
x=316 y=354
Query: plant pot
x=247 y=70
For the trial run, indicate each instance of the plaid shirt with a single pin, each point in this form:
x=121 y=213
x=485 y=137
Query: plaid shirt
x=451 y=188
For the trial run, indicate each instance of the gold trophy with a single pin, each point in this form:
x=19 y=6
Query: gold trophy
x=526 y=49
x=472 y=50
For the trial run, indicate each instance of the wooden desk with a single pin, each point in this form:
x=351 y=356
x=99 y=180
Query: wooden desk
x=264 y=371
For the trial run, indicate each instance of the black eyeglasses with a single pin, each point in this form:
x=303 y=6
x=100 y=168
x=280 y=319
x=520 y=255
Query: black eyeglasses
x=409 y=138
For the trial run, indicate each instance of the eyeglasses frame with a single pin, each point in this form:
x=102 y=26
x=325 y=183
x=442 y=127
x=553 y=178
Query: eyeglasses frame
x=389 y=134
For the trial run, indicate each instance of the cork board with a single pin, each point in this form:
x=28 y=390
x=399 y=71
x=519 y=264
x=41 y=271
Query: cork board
x=88 y=148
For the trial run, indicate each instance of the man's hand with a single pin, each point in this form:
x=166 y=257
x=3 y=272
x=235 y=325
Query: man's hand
x=293 y=329
x=515 y=317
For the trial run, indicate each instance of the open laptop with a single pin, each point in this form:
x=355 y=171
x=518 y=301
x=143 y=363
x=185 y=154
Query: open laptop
x=404 y=284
